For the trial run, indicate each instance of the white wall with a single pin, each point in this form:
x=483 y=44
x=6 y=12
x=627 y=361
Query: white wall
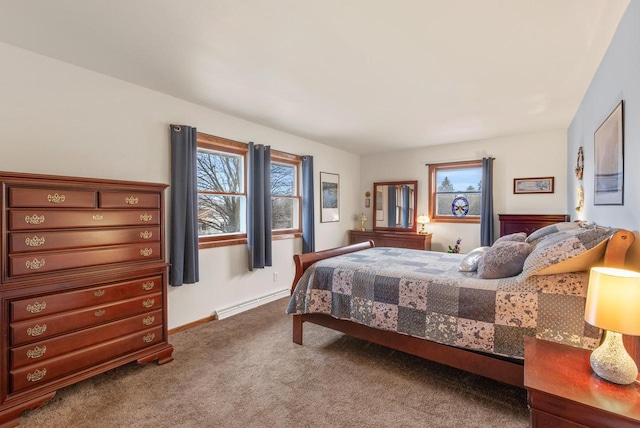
x=56 y=118
x=531 y=155
x=616 y=79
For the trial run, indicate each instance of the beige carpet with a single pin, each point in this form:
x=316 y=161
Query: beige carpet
x=244 y=371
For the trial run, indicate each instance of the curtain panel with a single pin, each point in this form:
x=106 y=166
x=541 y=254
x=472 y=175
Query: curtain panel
x=486 y=203
x=259 y=209
x=308 y=221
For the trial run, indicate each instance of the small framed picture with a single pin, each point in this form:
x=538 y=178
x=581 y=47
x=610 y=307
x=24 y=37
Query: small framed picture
x=533 y=185
x=329 y=197
x=367 y=203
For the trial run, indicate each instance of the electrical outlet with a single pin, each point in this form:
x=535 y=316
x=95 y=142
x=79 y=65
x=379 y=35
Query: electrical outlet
x=275 y=277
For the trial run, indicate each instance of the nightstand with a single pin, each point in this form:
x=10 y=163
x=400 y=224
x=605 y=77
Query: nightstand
x=563 y=391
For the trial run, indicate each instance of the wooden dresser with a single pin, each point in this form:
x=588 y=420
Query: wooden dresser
x=83 y=283
x=514 y=223
x=388 y=238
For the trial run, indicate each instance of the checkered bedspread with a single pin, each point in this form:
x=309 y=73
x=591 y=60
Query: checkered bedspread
x=422 y=294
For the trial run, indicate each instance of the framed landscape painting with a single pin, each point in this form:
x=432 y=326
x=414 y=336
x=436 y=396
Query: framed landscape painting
x=609 y=160
x=533 y=185
x=329 y=197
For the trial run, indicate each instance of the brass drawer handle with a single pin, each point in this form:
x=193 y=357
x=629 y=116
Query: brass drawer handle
x=37 y=375
x=131 y=200
x=146 y=217
x=37 y=307
x=34 y=242
x=35 y=264
x=36 y=352
x=148 y=303
x=97 y=217
x=148 y=285
x=34 y=219
x=55 y=198
x=146 y=234
x=100 y=312
x=146 y=252
x=36 y=330
x=148 y=320
x=148 y=338
x=99 y=293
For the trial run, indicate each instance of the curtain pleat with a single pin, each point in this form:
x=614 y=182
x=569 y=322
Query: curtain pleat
x=259 y=212
x=405 y=206
x=183 y=251
x=308 y=224
x=486 y=203
x=392 y=206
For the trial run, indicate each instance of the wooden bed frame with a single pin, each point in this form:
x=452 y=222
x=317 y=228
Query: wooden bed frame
x=498 y=368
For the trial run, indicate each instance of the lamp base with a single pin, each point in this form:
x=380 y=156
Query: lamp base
x=611 y=361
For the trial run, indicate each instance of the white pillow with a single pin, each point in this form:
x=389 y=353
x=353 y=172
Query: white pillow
x=470 y=262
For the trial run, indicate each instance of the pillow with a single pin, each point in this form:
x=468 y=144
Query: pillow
x=581 y=262
x=470 y=262
x=537 y=235
x=503 y=259
x=518 y=237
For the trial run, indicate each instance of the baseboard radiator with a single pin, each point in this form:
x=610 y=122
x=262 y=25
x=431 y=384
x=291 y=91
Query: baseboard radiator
x=252 y=303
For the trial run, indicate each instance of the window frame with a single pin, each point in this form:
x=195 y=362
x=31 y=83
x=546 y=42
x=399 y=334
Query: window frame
x=433 y=191
x=295 y=160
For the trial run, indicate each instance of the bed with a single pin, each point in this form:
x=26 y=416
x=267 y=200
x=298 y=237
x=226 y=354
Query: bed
x=419 y=302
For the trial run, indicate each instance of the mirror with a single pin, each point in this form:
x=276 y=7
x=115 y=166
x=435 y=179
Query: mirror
x=394 y=205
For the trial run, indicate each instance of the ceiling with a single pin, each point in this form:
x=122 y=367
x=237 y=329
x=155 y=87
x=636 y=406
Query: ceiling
x=366 y=76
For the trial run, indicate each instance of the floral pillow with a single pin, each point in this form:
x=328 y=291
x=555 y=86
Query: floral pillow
x=537 y=235
x=518 y=237
x=503 y=259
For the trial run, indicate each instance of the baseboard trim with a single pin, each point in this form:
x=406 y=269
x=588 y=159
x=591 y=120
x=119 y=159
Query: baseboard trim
x=192 y=324
x=228 y=311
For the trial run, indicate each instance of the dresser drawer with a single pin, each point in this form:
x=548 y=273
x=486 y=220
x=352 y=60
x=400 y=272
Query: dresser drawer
x=26 y=197
x=129 y=200
x=57 y=219
x=41 y=373
x=44 y=327
x=29 y=264
x=21 y=242
x=36 y=307
x=50 y=348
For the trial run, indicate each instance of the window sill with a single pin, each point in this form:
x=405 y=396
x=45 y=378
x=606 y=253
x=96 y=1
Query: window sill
x=221 y=243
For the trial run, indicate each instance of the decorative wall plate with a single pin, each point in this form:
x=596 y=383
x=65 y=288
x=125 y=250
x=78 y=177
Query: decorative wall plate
x=460 y=206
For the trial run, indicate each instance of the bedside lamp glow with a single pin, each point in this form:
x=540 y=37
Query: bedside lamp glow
x=612 y=305
x=422 y=220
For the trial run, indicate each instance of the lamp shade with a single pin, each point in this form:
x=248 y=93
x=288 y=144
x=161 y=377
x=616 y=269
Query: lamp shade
x=422 y=219
x=613 y=299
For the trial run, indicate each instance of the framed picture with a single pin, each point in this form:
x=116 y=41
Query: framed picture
x=329 y=197
x=367 y=203
x=609 y=160
x=533 y=185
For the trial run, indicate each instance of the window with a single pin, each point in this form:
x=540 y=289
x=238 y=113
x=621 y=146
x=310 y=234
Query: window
x=285 y=193
x=222 y=195
x=450 y=185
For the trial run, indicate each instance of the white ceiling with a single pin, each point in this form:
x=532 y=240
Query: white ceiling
x=366 y=76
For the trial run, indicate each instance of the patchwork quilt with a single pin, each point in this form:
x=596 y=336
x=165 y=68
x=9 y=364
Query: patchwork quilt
x=422 y=294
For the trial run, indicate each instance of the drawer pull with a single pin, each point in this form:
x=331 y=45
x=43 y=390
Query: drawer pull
x=148 y=338
x=148 y=303
x=146 y=217
x=37 y=307
x=34 y=219
x=146 y=252
x=36 y=330
x=148 y=320
x=99 y=293
x=55 y=198
x=37 y=375
x=34 y=242
x=146 y=234
x=148 y=285
x=36 y=352
x=100 y=312
x=35 y=264
x=97 y=217
x=131 y=200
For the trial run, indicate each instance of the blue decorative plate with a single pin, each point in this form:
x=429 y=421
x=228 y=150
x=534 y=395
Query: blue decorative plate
x=460 y=206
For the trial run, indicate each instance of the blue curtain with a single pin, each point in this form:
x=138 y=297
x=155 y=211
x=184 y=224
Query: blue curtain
x=183 y=251
x=486 y=203
x=308 y=224
x=405 y=206
x=259 y=206
x=392 y=206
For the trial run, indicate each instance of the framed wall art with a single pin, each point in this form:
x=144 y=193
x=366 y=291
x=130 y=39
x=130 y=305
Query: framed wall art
x=533 y=185
x=609 y=160
x=329 y=197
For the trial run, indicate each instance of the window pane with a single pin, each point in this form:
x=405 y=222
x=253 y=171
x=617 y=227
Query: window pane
x=219 y=172
x=284 y=213
x=459 y=179
x=444 y=201
x=218 y=214
x=283 y=179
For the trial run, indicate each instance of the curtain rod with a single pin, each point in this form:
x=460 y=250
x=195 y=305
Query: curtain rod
x=462 y=161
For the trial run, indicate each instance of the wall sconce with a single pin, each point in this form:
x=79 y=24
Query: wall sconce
x=612 y=305
x=422 y=220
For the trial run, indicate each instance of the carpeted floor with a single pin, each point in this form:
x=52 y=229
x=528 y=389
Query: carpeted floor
x=244 y=371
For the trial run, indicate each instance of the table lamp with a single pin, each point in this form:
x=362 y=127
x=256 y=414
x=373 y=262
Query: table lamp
x=362 y=219
x=612 y=305
x=422 y=220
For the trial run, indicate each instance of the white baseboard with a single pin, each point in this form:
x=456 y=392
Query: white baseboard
x=250 y=304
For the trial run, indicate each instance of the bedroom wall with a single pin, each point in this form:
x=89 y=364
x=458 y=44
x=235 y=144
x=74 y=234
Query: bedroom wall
x=531 y=155
x=616 y=79
x=56 y=118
